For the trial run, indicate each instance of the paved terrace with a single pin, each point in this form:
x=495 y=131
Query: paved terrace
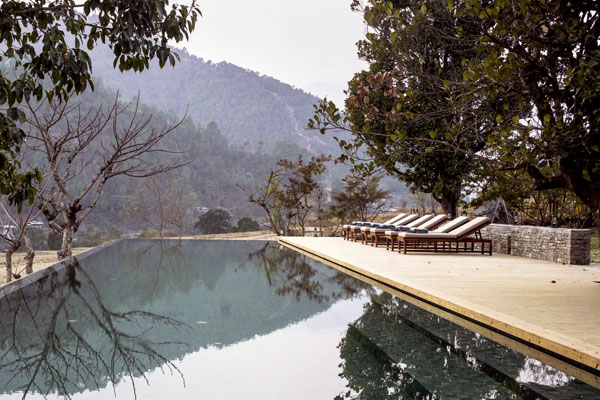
x=553 y=307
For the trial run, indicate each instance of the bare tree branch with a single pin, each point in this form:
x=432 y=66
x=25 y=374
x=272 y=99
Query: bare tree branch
x=92 y=143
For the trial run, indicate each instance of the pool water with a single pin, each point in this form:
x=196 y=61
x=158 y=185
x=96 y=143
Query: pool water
x=243 y=319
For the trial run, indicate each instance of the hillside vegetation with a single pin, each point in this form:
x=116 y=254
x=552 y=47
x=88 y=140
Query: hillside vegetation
x=211 y=171
x=238 y=125
x=252 y=110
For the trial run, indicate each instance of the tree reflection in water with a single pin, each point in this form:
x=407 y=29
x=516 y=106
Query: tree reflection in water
x=398 y=351
x=371 y=373
x=289 y=272
x=58 y=336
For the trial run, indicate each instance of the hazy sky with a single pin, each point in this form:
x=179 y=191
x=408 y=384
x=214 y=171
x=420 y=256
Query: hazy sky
x=309 y=44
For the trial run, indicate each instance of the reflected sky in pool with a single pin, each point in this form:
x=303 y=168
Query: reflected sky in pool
x=244 y=319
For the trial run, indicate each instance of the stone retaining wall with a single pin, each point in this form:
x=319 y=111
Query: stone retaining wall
x=567 y=246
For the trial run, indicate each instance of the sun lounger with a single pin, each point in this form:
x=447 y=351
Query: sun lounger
x=455 y=241
x=369 y=233
x=441 y=227
x=350 y=231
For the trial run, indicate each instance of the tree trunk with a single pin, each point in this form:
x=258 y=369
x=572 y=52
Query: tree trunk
x=587 y=188
x=65 y=251
x=449 y=201
x=8 y=264
x=30 y=254
x=8 y=260
x=274 y=227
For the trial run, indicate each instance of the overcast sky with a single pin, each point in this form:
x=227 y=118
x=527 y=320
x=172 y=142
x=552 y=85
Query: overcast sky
x=309 y=44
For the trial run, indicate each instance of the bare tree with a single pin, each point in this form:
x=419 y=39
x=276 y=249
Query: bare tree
x=97 y=144
x=161 y=204
x=19 y=218
x=267 y=197
x=419 y=200
x=432 y=204
x=47 y=345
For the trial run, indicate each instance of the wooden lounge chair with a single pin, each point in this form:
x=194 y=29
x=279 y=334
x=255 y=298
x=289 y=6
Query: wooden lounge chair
x=455 y=241
x=350 y=231
x=391 y=237
x=368 y=233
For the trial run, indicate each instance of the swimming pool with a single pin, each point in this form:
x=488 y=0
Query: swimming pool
x=243 y=319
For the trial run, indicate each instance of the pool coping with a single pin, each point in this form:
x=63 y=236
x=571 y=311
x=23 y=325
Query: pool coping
x=566 y=349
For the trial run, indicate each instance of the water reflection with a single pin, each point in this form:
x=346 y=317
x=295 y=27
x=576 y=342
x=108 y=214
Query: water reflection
x=139 y=305
x=59 y=335
x=288 y=272
x=243 y=320
x=398 y=351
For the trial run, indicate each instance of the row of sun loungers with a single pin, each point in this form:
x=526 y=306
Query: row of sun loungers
x=428 y=233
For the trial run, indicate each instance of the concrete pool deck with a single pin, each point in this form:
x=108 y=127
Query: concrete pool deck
x=551 y=307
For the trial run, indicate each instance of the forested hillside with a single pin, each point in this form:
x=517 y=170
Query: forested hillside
x=210 y=175
x=252 y=111
x=239 y=125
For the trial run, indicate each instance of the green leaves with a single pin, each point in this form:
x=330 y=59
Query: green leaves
x=32 y=40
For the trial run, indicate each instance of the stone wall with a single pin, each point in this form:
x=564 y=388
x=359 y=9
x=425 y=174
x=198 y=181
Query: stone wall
x=567 y=246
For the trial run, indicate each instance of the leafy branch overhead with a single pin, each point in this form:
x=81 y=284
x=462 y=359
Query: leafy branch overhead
x=43 y=55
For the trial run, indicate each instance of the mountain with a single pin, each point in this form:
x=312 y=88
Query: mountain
x=252 y=111
x=240 y=125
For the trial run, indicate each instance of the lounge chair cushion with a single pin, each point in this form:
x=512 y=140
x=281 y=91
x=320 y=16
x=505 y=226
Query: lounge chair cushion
x=387 y=226
x=420 y=220
x=366 y=228
x=406 y=220
x=430 y=235
x=395 y=219
x=438 y=219
x=457 y=233
x=418 y=230
x=381 y=229
x=451 y=225
x=470 y=226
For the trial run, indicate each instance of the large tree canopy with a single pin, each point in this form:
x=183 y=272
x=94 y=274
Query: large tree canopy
x=512 y=84
x=411 y=104
x=42 y=55
x=546 y=56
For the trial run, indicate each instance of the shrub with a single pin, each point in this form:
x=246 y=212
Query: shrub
x=214 y=221
x=246 y=224
x=149 y=233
